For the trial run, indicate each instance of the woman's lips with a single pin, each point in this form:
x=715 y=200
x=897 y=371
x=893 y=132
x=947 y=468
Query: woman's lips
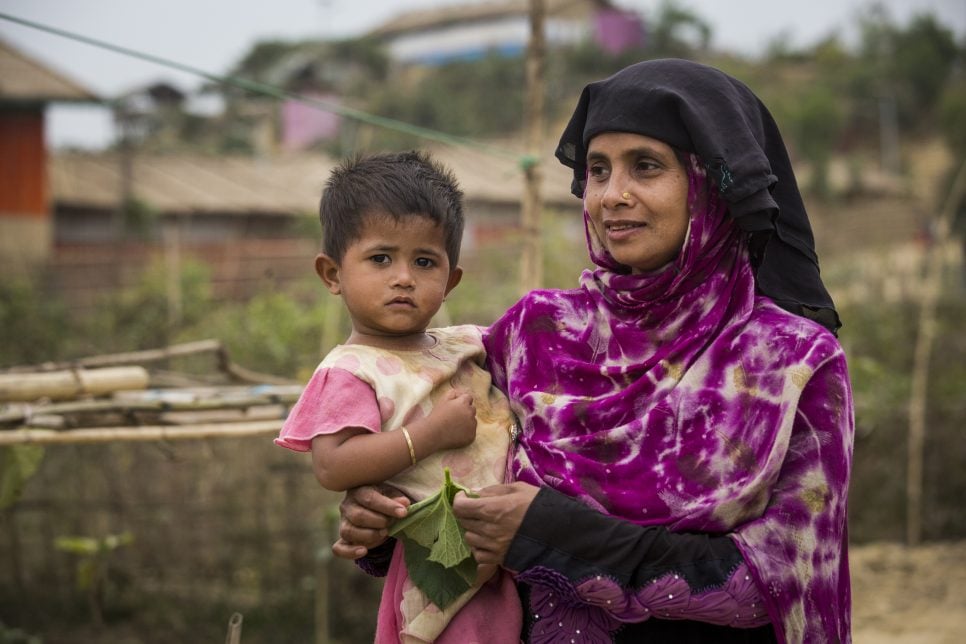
x=618 y=230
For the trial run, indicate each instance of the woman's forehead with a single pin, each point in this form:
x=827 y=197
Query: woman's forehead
x=613 y=143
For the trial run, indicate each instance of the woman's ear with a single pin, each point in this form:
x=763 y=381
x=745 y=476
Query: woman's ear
x=455 y=276
x=328 y=271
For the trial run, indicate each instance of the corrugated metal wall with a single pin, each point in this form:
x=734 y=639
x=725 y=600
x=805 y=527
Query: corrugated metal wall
x=23 y=164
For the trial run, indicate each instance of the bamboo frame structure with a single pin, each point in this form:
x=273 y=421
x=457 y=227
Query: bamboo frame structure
x=255 y=405
x=233 y=370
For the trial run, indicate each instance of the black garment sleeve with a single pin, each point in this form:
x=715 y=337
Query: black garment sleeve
x=376 y=562
x=564 y=535
x=577 y=543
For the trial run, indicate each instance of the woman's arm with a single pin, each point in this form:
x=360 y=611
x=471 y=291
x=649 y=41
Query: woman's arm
x=356 y=456
x=630 y=572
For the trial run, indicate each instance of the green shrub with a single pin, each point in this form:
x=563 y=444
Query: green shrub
x=32 y=323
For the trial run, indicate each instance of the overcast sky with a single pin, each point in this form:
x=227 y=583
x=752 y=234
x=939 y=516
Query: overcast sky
x=214 y=34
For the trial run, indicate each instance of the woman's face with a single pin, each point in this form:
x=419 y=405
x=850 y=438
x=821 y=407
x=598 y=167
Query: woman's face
x=637 y=199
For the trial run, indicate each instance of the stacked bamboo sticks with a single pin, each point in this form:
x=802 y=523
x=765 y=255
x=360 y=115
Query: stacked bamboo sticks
x=117 y=397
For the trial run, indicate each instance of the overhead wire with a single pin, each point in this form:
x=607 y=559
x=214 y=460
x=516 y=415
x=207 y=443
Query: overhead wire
x=523 y=161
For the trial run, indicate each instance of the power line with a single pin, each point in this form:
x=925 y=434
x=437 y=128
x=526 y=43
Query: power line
x=278 y=93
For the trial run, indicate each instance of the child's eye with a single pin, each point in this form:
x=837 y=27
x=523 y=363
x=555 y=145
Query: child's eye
x=425 y=262
x=379 y=259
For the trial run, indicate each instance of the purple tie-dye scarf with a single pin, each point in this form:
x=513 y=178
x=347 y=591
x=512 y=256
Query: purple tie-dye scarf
x=676 y=398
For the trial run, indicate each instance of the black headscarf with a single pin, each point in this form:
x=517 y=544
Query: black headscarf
x=700 y=109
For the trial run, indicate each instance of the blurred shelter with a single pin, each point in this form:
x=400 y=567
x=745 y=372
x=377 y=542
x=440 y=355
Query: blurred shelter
x=313 y=72
x=320 y=73
x=26 y=87
x=155 y=110
x=304 y=125
x=245 y=217
x=471 y=31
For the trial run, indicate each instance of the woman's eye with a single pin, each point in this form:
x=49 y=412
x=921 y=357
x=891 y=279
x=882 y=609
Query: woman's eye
x=597 y=171
x=646 y=165
x=425 y=262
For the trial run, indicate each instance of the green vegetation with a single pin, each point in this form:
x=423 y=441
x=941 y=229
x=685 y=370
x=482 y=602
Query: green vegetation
x=879 y=341
x=97 y=577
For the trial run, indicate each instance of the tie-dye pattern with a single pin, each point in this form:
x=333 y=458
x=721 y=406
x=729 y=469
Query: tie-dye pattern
x=684 y=399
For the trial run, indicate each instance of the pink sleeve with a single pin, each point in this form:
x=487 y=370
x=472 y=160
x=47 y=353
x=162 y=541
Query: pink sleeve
x=332 y=400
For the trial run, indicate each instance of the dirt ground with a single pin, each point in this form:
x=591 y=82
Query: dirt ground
x=909 y=595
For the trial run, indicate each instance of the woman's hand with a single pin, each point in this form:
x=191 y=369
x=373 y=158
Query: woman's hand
x=491 y=520
x=366 y=513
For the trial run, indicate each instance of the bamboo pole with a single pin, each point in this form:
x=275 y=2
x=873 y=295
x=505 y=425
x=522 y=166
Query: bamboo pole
x=531 y=264
x=127 y=358
x=60 y=385
x=323 y=574
x=22 y=413
x=242 y=374
x=147 y=433
x=157 y=355
x=931 y=287
x=234 y=629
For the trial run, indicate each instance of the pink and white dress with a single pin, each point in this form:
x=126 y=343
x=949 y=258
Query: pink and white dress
x=380 y=390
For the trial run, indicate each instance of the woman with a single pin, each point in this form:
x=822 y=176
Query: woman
x=683 y=467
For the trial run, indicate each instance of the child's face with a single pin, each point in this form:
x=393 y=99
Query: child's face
x=394 y=278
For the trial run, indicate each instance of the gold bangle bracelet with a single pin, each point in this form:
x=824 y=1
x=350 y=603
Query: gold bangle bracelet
x=409 y=442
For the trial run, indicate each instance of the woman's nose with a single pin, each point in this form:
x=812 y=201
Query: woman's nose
x=614 y=192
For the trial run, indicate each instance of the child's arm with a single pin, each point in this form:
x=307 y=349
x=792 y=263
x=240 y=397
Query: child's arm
x=355 y=456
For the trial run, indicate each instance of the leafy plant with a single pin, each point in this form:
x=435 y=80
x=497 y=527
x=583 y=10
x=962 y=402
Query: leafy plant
x=31 y=322
x=17 y=636
x=140 y=218
x=17 y=464
x=94 y=565
x=146 y=315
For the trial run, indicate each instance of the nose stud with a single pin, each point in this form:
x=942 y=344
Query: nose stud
x=626 y=195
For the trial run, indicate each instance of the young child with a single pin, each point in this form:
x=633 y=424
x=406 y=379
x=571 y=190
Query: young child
x=398 y=402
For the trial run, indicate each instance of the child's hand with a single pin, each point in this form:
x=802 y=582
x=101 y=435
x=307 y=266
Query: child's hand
x=454 y=419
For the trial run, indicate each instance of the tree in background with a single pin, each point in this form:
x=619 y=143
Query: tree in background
x=952 y=115
x=817 y=121
x=481 y=98
x=909 y=65
x=925 y=53
x=952 y=123
x=678 y=32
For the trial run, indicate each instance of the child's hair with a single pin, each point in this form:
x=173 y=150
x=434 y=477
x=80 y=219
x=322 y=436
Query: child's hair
x=398 y=184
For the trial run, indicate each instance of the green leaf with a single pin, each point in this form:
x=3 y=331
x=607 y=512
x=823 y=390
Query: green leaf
x=450 y=547
x=86 y=546
x=19 y=464
x=437 y=557
x=441 y=585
